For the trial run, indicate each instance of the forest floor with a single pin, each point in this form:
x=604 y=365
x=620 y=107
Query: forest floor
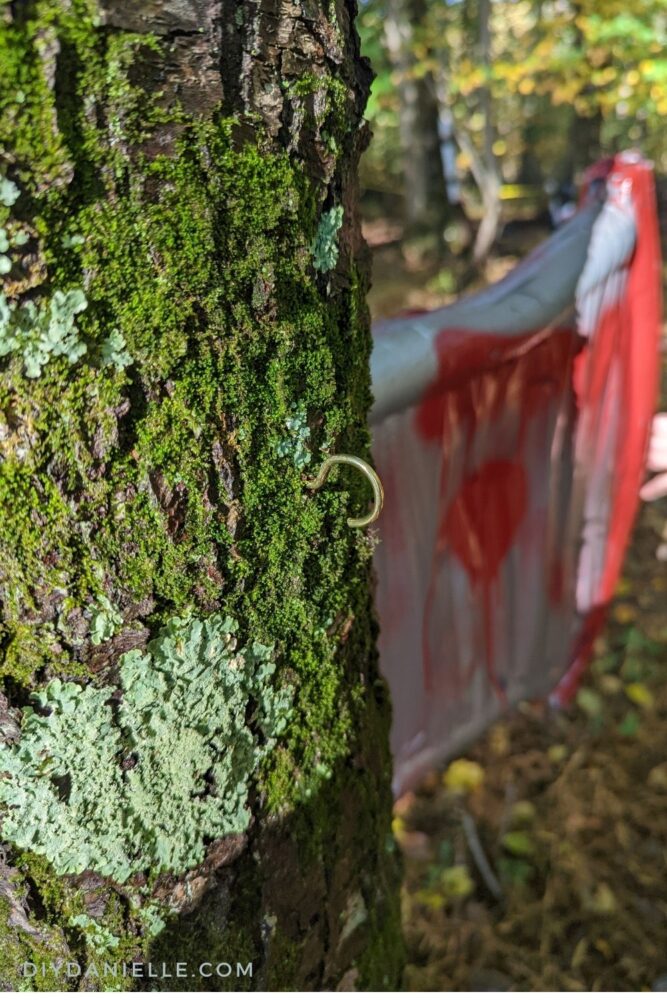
x=569 y=808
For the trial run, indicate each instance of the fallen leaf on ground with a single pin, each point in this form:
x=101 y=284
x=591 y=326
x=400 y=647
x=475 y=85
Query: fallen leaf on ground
x=463 y=775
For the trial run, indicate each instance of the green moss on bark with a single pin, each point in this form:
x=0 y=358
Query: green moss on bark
x=190 y=277
x=19 y=948
x=161 y=486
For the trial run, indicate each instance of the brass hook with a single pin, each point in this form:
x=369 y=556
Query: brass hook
x=368 y=471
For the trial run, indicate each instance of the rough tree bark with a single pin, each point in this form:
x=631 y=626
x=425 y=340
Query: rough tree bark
x=193 y=732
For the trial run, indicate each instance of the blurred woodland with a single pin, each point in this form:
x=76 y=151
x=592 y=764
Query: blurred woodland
x=487 y=111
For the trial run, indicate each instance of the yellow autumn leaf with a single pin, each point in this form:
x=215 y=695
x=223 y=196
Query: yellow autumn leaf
x=430 y=899
x=463 y=775
x=610 y=684
x=499 y=740
x=603 y=901
x=456 y=882
x=639 y=695
x=523 y=813
x=557 y=753
x=590 y=702
x=657 y=777
x=604 y=75
x=519 y=843
x=604 y=947
x=565 y=93
x=624 y=613
x=579 y=953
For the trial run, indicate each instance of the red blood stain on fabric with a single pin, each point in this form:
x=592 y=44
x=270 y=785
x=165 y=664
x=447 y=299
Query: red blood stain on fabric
x=483 y=520
x=532 y=366
x=480 y=527
x=481 y=378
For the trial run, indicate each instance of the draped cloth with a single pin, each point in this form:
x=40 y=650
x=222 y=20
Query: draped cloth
x=510 y=432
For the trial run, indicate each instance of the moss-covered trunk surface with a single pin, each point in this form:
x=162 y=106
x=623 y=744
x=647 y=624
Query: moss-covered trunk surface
x=194 y=772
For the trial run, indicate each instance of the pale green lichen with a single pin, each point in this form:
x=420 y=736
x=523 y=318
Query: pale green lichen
x=7 y=242
x=324 y=247
x=353 y=916
x=37 y=329
x=296 y=444
x=5 y=261
x=104 y=621
x=71 y=242
x=114 y=351
x=9 y=193
x=97 y=937
x=120 y=781
x=152 y=919
x=42 y=330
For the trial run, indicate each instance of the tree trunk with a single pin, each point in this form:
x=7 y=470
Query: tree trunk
x=584 y=134
x=426 y=204
x=195 y=758
x=489 y=176
x=583 y=148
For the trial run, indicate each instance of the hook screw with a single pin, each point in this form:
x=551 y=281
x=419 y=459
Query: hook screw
x=367 y=470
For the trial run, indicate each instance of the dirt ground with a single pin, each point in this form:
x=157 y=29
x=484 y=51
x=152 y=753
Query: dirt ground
x=538 y=861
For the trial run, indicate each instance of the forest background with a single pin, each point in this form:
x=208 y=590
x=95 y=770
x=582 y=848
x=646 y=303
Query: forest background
x=486 y=110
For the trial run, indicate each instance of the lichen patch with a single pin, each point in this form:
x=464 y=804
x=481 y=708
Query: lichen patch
x=139 y=777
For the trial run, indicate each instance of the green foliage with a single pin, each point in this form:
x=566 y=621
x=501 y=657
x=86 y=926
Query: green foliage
x=629 y=725
x=443 y=283
x=181 y=727
x=515 y=871
x=519 y=843
x=381 y=164
x=557 y=71
x=41 y=331
x=325 y=245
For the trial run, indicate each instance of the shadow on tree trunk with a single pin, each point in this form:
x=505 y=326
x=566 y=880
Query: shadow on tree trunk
x=257 y=922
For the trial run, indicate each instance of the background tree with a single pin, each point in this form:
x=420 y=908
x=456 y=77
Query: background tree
x=426 y=204
x=409 y=128
x=557 y=84
x=195 y=762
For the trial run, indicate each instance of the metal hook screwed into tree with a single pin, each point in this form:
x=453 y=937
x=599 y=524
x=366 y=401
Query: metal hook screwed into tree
x=368 y=471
